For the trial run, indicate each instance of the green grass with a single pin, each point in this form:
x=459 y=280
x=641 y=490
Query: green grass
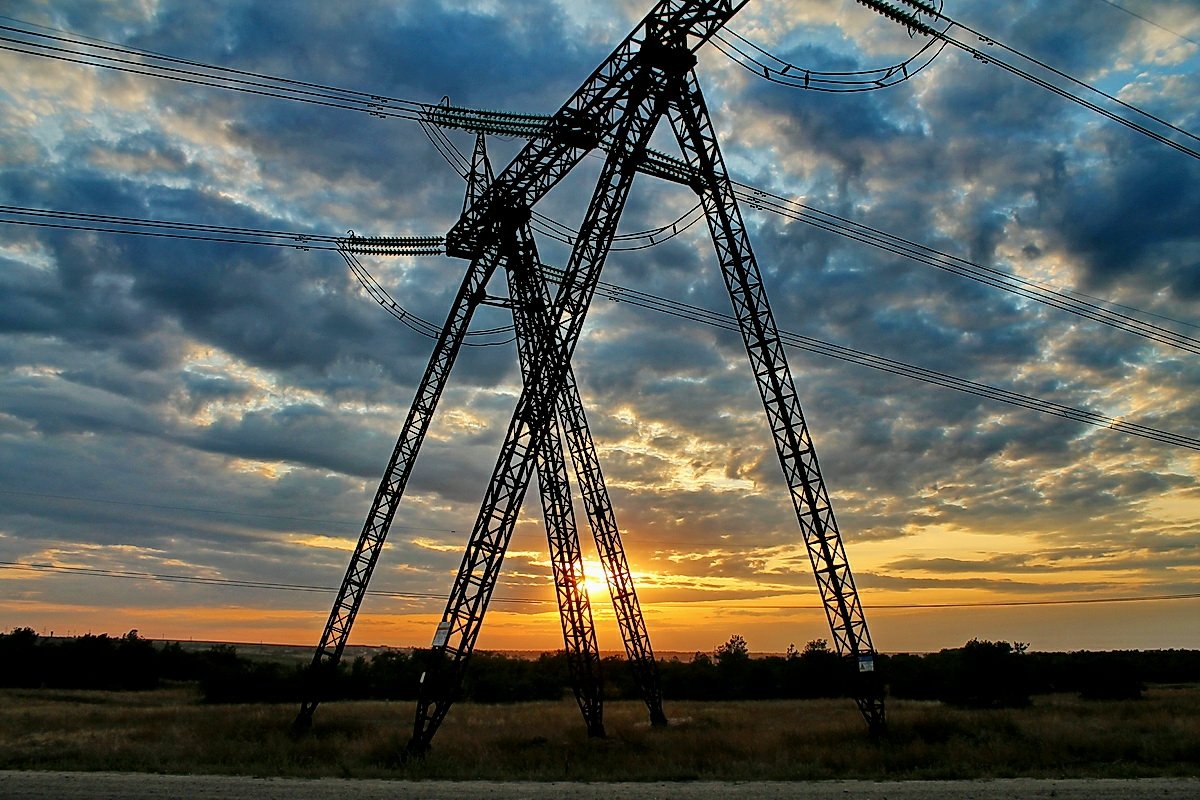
x=171 y=731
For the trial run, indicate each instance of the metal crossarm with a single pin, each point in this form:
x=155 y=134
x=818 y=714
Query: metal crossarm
x=674 y=29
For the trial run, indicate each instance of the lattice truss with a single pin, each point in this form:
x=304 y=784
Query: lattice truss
x=648 y=77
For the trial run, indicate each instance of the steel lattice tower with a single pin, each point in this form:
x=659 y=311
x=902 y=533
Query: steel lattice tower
x=648 y=77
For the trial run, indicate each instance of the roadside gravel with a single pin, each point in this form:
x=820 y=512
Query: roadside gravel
x=129 y=786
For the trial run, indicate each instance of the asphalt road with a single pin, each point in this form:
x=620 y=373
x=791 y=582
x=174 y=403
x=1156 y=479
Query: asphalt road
x=130 y=786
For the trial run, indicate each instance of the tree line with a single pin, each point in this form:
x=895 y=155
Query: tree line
x=979 y=674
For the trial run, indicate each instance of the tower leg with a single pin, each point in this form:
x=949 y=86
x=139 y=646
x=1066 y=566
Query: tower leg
x=493 y=528
x=810 y=498
x=574 y=607
x=391 y=487
x=603 y=523
x=566 y=558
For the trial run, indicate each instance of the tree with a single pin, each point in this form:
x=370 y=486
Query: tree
x=816 y=648
x=989 y=675
x=733 y=651
x=819 y=672
x=735 y=670
x=20 y=664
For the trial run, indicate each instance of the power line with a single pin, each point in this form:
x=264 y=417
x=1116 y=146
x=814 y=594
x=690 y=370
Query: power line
x=175 y=578
x=1065 y=602
x=72 y=49
x=971 y=270
x=705 y=316
x=786 y=74
x=202 y=510
x=1090 y=309
x=945 y=380
x=276 y=517
x=977 y=604
x=280 y=517
x=144 y=62
x=552 y=228
x=108 y=223
x=671 y=168
x=531 y=125
x=413 y=245
x=751 y=57
x=1150 y=21
x=911 y=22
x=1076 y=303
x=413 y=322
x=97 y=572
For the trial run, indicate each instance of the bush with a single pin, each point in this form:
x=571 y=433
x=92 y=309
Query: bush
x=980 y=674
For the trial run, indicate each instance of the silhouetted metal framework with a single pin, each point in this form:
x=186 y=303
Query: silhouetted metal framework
x=529 y=311
x=574 y=607
x=649 y=76
x=797 y=456
x=566 y=559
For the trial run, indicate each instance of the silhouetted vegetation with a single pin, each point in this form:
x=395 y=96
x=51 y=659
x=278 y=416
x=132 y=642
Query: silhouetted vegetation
x=732 y=673
x=981 y=674
x=85 y=662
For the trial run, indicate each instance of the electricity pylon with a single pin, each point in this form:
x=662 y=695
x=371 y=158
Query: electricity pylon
x=649 y=76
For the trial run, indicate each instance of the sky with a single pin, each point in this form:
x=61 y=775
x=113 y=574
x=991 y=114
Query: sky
x=223 y=412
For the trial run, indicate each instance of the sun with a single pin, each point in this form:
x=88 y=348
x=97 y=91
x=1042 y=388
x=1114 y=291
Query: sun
x=593 y=580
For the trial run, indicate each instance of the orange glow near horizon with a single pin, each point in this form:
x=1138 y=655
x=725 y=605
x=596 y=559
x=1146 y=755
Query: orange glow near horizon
x=693 y=600
x=769 y=625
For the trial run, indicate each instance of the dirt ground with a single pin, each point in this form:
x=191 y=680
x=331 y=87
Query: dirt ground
x=125 y=786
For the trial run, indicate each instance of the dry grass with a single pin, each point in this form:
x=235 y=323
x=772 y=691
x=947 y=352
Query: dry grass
x=170 y=731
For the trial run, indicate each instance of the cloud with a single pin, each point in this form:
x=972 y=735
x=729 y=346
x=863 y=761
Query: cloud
x=167 y=376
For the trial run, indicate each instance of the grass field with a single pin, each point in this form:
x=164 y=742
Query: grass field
x=171 y=731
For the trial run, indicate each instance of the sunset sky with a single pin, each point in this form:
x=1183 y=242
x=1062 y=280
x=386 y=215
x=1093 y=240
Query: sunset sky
x=221 y=413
